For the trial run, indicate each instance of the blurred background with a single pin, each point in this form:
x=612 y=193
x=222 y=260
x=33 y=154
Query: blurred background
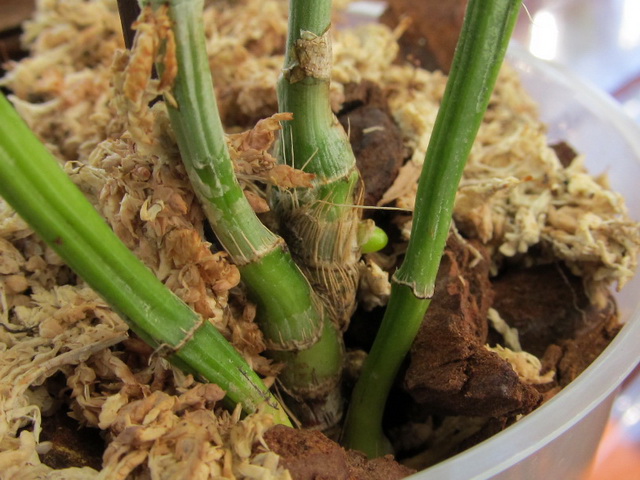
x=597 y=40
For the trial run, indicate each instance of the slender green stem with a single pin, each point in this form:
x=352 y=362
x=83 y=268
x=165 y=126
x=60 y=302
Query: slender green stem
x=319 y=224
x=37 y=188
x=200 y=136
x=259 y=254
x=392 y=343
x=289 y=313
x=483 y=42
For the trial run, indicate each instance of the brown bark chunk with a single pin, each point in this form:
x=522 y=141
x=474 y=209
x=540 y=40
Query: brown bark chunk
x=554 y=317
x=565 y=153
x=434 y=30
x=71 y=446
x=310 y=455
x=450 y=371
x=375 y=139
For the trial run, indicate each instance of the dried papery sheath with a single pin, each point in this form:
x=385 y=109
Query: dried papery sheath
x=312 y=55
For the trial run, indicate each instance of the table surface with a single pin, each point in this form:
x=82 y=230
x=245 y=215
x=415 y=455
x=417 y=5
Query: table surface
x=599 y=40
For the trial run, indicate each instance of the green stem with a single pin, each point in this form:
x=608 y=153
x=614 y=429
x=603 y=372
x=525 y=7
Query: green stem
x=316 y=374
x=37 y=188
x=289 y=314
x=483 y=42
x=320 y=224
x=259 y=254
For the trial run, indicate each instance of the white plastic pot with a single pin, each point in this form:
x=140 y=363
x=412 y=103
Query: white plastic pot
x=559 y=440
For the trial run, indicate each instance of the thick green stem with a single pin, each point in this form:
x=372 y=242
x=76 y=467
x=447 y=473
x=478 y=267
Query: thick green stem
x=288 y=311
x=319 y=224
x=316 y=375
x=483 y=42
x=37 y=188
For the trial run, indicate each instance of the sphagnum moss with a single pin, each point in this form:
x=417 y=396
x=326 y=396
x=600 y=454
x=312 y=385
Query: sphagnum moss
x=40 y=192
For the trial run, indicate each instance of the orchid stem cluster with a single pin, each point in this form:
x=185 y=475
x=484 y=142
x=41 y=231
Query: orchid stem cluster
x=303 y=283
